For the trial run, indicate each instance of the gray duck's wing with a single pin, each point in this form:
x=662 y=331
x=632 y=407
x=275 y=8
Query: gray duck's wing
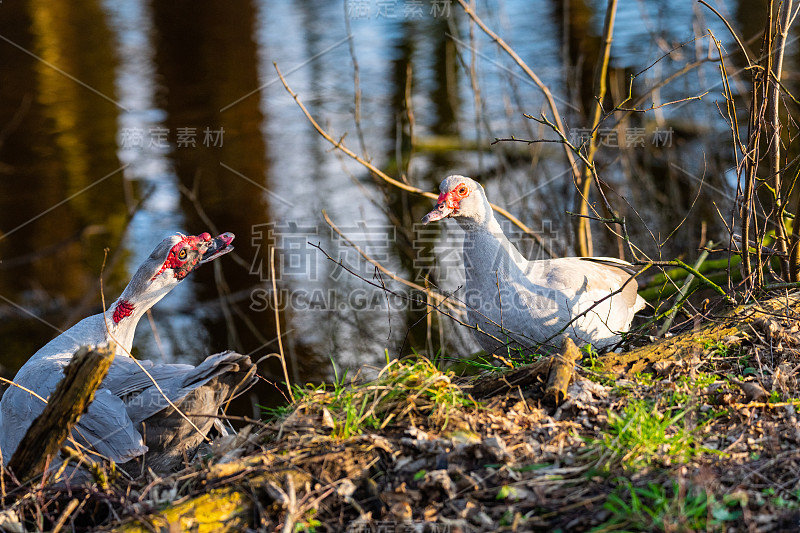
x=107 y=429
x=112 y=424
x=126 y=377
x=142 y=399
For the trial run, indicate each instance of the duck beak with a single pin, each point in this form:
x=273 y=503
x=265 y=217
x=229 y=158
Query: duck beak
x=218 y=246
x=439 y=212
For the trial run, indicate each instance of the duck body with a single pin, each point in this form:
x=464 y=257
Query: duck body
x=521 y=305
x=129 y=417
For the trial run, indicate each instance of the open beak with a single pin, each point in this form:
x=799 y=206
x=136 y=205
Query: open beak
x=220 y=245
x=439 y=212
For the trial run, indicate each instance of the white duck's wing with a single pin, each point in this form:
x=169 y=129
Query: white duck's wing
x=104 y=428
x=588 y=289
x=612 y=262
x=107 y=429
x=617 y=273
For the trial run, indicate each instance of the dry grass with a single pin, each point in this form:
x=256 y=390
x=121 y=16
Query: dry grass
x=708 y=442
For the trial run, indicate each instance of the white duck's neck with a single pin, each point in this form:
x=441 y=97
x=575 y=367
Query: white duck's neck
x=487 y=249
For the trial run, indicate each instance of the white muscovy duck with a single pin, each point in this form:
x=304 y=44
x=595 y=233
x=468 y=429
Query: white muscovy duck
x=129 y=418
x=524 y=304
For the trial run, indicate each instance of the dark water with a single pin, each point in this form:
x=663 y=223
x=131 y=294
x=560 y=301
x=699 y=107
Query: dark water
x=122 y=122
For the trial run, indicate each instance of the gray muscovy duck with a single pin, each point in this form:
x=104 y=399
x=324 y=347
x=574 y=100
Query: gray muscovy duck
x=129 y=418
x=523 y=304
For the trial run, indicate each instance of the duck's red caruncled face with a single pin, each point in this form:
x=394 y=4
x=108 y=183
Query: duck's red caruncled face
x=447 y=202
x=185 y=255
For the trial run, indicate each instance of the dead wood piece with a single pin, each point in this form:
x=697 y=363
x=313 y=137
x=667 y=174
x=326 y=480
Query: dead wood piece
x=493 y=385
x=558 y=369
x=561 y=370
x=74 y=393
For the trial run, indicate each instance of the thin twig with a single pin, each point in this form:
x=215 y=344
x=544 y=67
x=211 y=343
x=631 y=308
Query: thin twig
x=438 y=297
x=773 y=116
x=731 y=30
x=529 y=72
x=404 y=296
x=682 y=292
x=73 y=503
x=584 y=241
x=9 y=382
x=278 y=321
x=693 y=271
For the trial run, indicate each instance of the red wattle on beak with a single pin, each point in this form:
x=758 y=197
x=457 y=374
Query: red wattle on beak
x=220 y=245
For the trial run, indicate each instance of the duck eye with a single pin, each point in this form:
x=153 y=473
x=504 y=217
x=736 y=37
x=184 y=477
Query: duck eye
x=182 y=254
x=462 y=190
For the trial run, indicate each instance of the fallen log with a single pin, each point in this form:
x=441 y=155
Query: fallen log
x=738 y=322
x=74 y=393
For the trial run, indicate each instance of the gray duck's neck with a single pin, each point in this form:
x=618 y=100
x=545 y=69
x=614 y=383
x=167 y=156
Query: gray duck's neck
x=124 y=315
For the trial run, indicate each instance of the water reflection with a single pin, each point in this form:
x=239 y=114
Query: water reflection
x=121 y=122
